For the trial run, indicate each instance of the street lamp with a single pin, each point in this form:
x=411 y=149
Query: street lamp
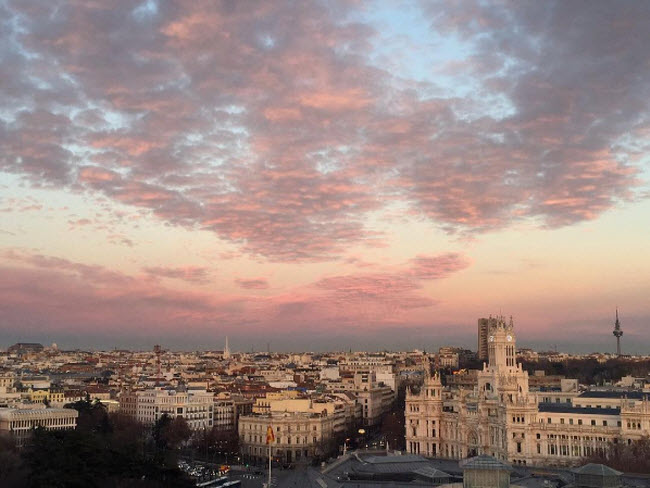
x=361 y=433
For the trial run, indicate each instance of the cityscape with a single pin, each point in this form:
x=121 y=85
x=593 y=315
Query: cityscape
x=341 y=418
x=324 y=244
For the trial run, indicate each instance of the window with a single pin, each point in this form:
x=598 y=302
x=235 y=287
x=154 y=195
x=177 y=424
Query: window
x=548 y=420
x=539 y=436
x=593 y=422
x=605 y=423
x=579 y=421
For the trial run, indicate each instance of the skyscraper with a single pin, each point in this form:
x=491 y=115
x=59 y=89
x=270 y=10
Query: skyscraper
x=483 y=328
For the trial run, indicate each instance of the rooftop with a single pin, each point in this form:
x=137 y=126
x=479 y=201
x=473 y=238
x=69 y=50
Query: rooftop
x=26 y=413
x=484 y=462
x=564 y=408
x=636 y=395
x=596 y=469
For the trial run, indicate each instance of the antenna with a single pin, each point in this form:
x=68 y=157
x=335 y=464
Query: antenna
x=158 y=352
x=618 y=332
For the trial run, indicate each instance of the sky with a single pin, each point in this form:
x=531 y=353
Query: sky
x=324 y=175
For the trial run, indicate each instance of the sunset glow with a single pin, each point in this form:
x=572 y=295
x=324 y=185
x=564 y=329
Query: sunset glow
x=323 y=175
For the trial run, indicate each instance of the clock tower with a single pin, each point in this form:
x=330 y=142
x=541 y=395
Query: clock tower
x=502 y=376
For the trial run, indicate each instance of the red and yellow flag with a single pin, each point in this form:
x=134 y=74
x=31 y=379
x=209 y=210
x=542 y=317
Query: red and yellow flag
x=270 y=436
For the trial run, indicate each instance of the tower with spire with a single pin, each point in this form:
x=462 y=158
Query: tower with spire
x=226 y=350
x=618 y=332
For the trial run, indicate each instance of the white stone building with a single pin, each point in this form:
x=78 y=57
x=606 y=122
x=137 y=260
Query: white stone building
x=502 y=418
x=298 y=435
x=20 y=422
x=147 y=406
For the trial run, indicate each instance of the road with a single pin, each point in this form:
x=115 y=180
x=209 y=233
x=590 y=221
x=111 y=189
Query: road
x=281 y=478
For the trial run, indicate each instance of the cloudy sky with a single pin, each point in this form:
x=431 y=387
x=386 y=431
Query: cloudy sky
x=324 y=174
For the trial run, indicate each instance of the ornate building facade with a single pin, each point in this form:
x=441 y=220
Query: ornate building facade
x=502 y=418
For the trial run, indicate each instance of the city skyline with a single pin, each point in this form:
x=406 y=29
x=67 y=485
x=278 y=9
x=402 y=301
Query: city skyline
x=324 y=176
x=261 y=346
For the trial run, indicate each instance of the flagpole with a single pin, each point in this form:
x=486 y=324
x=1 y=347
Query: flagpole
x=269 y=483
x=270 y=438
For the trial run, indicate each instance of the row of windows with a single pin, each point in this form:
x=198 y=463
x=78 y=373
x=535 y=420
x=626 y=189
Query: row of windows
x=279 y=429
x=549 y=420
x=28 y=424
x=297 y=440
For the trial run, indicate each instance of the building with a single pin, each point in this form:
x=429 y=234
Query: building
x=20 y=422
x=375 y=469
x=7 y=380
x=298 y=435
x=224 y=416
x=22 y=348
x=228 y=409
x=482 y=349
x=147 y=406
x=502 y=418
x=596 y=476
x=46 y=395
x=375 y=398
x=483 y=471
x=448 y=357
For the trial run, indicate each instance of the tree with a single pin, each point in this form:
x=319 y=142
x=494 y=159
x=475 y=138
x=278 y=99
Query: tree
x=12 y=471
x=630 y=458
x=170 y=433
x=216 y=441
x=95 y=457
x=93 y=416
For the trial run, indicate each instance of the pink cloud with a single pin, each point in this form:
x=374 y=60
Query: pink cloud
x=438 y=267
x=274 y=127
x=191 y=274
x=252 y=283
x=62 y=295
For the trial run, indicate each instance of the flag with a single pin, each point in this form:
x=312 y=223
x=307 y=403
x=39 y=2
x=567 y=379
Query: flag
x=270 y=437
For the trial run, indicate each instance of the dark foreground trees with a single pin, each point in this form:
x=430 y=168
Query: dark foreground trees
x=106 y=451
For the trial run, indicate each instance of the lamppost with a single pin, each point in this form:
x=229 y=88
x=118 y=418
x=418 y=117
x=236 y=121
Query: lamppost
x=362 y=433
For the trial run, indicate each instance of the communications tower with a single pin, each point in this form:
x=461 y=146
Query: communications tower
x=618 y=332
